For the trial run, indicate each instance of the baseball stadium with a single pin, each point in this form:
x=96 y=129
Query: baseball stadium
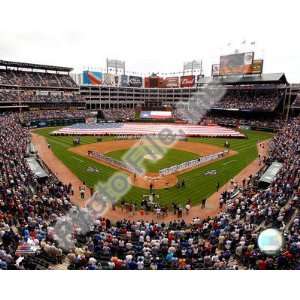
x=111 y=170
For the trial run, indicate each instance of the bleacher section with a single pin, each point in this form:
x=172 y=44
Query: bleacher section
x=28 y=84
x=250 y=100
x=35 y=79
x=296 y=103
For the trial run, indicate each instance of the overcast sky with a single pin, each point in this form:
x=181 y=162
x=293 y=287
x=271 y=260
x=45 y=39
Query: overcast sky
x=150 y=35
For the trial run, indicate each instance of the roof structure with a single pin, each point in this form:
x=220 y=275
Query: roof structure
x=22 y=65
x=272 y=78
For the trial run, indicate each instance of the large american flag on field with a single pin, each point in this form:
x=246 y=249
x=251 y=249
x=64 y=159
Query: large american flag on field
x=148 y=129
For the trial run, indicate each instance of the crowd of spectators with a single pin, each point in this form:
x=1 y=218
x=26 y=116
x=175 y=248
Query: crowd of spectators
x=34 y=115
x=274 y=123
x=8 y=95
x=35 y=79
x=123 y=114
x=241 y=100
x=26 y=96
x=210 y=118
x=29 y=209
x=27 y=206
x=24 y=86
x=227 y=241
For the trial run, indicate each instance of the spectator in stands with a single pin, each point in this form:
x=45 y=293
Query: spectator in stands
x=119 y=114
x=25 y=87
x=27 y=206
x=247 y=100
x=29 y=210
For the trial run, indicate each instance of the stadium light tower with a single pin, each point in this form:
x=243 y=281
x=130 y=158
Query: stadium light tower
x=116 y=65
x=192 y=65
x=289 y=104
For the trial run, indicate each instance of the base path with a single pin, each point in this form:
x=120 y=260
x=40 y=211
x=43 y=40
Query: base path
x=212 y=204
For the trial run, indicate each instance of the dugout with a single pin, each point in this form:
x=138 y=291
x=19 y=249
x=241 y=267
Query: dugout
x=267 y=178
x=36 y=169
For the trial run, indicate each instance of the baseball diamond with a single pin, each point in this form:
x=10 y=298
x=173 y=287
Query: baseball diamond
x=119 y=170
x=243 y=150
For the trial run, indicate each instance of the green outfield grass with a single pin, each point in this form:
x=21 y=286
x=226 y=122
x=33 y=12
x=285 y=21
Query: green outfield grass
x=198 y=185
x=171 y=157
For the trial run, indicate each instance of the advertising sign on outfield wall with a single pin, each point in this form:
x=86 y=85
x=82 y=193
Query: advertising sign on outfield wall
x=123 y=80
x=187 y=81
x=92 y=77
x=135 y=81
x=236 y=64
x=215 y=70
x=171 y=82
x=108 y=79
x=257 y=66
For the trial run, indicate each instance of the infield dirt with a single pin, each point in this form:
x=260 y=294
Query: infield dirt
x=157 y=181
x=212 y=208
